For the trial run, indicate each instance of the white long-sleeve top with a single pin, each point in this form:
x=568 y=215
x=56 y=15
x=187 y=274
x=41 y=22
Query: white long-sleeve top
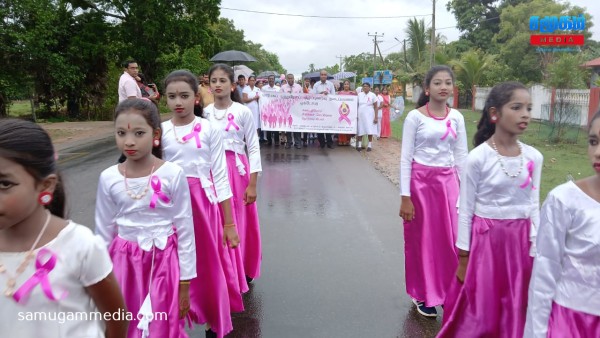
x=486 y=191
x=423 y=142
x=199 y=162
x=566 y=269
x=237 y=140
x=117 y=214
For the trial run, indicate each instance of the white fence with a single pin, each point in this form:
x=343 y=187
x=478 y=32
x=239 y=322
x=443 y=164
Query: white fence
x=542 y=97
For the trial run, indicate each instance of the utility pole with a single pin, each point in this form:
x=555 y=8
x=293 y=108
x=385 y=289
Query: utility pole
x=341 y=64
x=375 y=36
x=431 y=58
x=405 y=67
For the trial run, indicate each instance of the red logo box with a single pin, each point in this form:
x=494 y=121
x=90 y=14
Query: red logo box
x=557 y=40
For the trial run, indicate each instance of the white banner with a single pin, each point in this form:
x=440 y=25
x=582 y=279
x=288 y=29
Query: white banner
x=308 y=113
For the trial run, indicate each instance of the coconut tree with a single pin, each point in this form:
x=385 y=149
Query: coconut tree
x=470 y=67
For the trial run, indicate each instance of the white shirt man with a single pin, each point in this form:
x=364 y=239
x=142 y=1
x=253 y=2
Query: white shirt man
x=270 y=87
x=128 y=87
x=292 y=88
x=324 y=87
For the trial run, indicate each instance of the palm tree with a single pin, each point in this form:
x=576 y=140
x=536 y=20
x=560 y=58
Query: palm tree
x=417 y=40
x=470 y=68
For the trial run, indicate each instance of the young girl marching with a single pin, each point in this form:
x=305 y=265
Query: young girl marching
x=48 y=265
x=565 y=283
x=499 y=213
x=144 y=214
x=434 y=148
x=236 y=124
x=193 y=143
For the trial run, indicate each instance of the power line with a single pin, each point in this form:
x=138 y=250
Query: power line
x=323 y=16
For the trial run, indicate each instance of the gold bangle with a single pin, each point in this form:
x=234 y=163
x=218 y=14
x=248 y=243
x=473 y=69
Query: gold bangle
x=184 y=282
x=229 y=225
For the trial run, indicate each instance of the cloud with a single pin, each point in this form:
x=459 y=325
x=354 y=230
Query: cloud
x=300 y=41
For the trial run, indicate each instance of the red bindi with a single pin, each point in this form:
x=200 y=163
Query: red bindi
x=128 y=126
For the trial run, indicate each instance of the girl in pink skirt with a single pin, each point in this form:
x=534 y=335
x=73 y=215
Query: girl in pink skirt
x=144 y=214
x=236 y=124
x=194 y=144
x=499 y=212
x=564 y=290
x=434 y=147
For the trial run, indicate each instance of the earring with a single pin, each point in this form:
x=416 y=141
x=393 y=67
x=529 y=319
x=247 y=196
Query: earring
x=494 y=118
x=45 y=198
x=197 y=102
x=156 y=142
x=426 y=93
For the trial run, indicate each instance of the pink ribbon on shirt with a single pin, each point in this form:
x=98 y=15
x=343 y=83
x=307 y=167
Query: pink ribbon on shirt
x=195 y=134
x=231 y=123
x=40 y=276
x=156 y=185
x=529 y=180
x=448 y=130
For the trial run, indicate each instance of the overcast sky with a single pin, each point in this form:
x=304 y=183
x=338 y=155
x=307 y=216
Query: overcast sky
x=300 y=41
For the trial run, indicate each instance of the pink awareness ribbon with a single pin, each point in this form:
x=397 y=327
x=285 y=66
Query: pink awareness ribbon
x=448 y=130
x=40 y=276
x=195 y=134
x=156 y=185
x=529 y=180
x=231 y=123
x=344 y=109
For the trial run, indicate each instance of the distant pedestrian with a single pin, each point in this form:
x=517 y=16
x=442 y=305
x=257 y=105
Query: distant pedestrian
x=565 y=271
x=386 y=128
x=206 y=95
x=49 y=265
x=499 y=216
x=128 y=87
x=143 y=214
x=434 y=150
x=368 y=105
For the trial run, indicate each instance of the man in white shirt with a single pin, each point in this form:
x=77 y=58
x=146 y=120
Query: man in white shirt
x=128 y=87
x=324 y=87
x=292 y=88
x=270 y=87
x=241 y=83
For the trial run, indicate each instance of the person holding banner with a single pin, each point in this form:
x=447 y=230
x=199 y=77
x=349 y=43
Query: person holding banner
x=367 y=116
x=292 y=88
x=324 y=87
x=250 y=98
x=344 y=139
x=270 y=87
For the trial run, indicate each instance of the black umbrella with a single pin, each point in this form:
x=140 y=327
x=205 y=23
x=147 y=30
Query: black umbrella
x=233 y=56
x=268 y=73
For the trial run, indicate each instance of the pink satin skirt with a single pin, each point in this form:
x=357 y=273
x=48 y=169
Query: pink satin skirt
x=492 y=302
x=132 y=267
x=565 y=322
x=430 y=255
x=246 y=216
x=215 y=292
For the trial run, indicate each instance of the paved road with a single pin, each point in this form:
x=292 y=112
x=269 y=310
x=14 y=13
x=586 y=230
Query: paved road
x=332 y=245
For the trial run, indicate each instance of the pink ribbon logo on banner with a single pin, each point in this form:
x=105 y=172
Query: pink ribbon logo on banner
x=156 y=186
x=195 y=134
x=231 y=122
x=449 y=130
x=529 y=180
x=40 y=276
x=344 y=110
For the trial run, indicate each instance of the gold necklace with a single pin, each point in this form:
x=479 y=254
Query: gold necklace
x=11 y=282
x=224 y=114
x=144 y=192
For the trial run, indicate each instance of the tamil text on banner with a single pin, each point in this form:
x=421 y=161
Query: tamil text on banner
x=308 y=113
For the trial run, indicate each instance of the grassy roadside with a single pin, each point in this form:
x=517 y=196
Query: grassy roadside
x=560 y=160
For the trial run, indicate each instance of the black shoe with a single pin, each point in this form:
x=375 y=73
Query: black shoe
x=359 y=148
x=330 y=146
x=427 y=311
x=269 y=143
x=368 y=148
x=249 y=280
x=211 y=334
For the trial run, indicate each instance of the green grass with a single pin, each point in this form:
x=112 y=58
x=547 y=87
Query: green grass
x=19 y=108
x=560 y=160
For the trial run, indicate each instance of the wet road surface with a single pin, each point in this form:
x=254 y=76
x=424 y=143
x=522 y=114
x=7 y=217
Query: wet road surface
x=333 y=261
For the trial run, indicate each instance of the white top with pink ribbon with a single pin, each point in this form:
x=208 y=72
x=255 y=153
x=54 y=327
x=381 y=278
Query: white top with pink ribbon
x=56 y=281
x=148 y=221
x=486 y=191
x=238 y=132
x=199 y=162
x=432 y=142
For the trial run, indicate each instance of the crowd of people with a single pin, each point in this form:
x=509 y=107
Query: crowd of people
x=179 y=232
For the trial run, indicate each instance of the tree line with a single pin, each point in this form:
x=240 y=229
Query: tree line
x=66 y=55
